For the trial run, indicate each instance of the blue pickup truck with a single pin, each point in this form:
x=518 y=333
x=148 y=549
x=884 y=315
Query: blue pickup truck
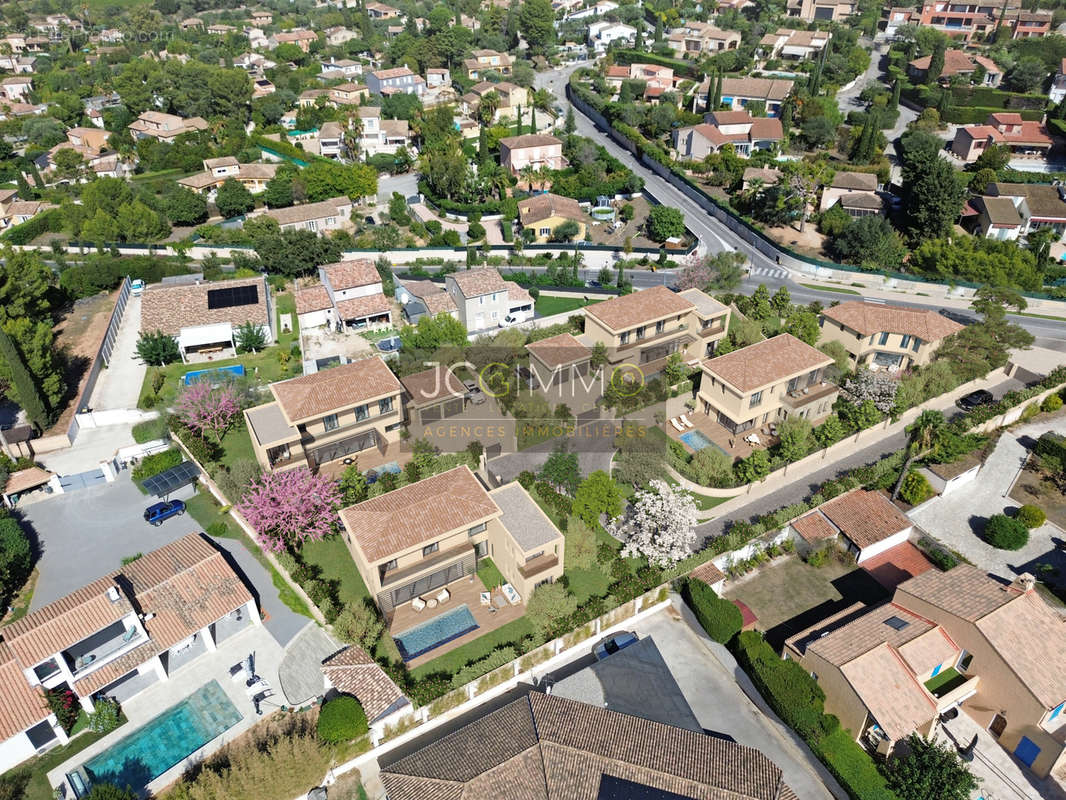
x=160 y=512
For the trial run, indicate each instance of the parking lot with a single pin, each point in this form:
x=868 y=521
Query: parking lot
x=84 y=535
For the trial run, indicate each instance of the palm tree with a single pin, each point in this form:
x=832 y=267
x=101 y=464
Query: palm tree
x=526 y=174
x=925 y=433
x=352 y=134
x=542 y=99
x=486 y=110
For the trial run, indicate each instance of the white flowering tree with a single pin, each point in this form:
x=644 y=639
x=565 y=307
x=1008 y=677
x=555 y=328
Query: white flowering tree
x=878 y=387
x=661 y=525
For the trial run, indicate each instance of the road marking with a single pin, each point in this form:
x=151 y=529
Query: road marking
x=873 y=300
x=769 y=272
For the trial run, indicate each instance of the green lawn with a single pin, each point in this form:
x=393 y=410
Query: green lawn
x=490 y=574
x=206 y=511
x=838 y=289
x=547 y=306
x=945 y=681
x=332 y=557
x=703 y=501
x=38 y=768
x=455 y=660
x=237 y=445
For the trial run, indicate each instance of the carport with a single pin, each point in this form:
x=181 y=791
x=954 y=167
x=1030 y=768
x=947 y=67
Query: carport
x=25 y=480
x=171 y=479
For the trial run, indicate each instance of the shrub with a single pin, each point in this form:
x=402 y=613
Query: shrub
x=156 y=463
x=1031 y=516
x=720 y=618
x=359 y=624
x=150 y=430
x=494 y=660
x=16 y=558
x=1051 y=403
x=106 y=716
x=217 y=529
x=915 y=489
x=63 y=703
x=1006 y=533
x=341 y=720
x=157 y=348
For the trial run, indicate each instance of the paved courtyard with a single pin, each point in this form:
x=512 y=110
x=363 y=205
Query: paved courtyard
x=84 y=535
x=958 y=519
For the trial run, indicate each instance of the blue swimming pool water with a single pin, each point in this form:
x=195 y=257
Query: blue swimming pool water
x=216 y=373
x=698 y=441
x=151 y=750
x=439 y=630
x=373 y=474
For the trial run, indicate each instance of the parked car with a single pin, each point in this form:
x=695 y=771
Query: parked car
x=369 y=221
x=510 y=319
x=593 y=285
x=160 y=512
x=613 y=644
x=957 y=316
x=982 y=397
x=390 y=344
x=136 y=287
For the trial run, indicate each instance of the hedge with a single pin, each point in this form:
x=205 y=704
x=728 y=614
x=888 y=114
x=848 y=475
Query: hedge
x=102 y=273
x=50 y=221
x=154 y=464
x=975 y=115
x=684 y=68
x=452 y=207
x=721 y=619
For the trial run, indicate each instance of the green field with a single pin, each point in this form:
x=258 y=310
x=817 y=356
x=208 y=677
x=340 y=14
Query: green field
x=547 y=306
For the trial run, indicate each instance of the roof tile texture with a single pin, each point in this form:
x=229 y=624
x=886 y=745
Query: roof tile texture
x=630 y=310
x=335 y=388
x=765 y=362
x=867 y=318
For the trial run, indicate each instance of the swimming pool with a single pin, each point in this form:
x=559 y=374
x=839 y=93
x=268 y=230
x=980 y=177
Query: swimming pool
x=697 y=441
x=439 y=630
x=216 y=373
x=138 y=759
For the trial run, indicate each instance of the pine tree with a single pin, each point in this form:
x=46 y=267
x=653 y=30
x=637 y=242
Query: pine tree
x=25 y=389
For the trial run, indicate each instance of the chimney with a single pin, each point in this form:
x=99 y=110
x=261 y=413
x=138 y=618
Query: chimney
x=1025 y=582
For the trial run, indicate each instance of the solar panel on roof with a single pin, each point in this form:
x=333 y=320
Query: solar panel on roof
x=174 y=478
x=232 y=296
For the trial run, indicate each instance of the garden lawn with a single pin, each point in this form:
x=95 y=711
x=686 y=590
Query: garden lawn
x=546 y=306
x=331 y=556
x=39 y=767
x=703 y=501
x=237 y=445
x=490 y=574
x=207 y=512
x=452 y=662
x=286 y=304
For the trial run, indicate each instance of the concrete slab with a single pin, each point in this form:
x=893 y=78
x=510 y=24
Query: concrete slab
x=92 y=446
x=119 y=385
x=300 y=672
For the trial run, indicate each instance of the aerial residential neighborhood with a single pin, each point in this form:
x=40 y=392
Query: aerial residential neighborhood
x=586 y=399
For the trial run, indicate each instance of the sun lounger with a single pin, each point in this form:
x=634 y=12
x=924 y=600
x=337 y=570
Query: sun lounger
x=418 y=604
x=677 y=425
x=486 y=599
x=512 y=596
x=685 y=421
x=443 y=596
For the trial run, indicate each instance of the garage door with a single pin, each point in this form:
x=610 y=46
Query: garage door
x=1027 y=751
x=81 y=480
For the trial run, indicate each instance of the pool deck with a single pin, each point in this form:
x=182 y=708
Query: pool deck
x=733 y=444
x=162 y=695
x=463 y=591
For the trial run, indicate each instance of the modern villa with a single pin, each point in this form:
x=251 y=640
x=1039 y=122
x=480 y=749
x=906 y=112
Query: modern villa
x=327 y=416
x=886 y=337
x=418 y=549
x=116 y=637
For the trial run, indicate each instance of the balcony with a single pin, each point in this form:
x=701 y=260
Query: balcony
x=538 y=565
x=711 y=330
x=800 y=398
x=434 y=559
x=644 y=340
x=90 y=653
x=950 y=686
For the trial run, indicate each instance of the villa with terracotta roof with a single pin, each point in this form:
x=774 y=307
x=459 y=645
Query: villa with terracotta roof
x=737 y=128
x=864 y=523
x=253 y=177
x=203 y=317
x=350 y=293
x=766 y=382
x=543 y=213
x=165 y=127
x=536 y=150
x=327 y=416
x=883 y=336
x=325 y=215
x=958 y=62
x=413 y=542
x=1022 y=137
x=646 y=327
x=483 y=299
x=794 y=44
x=116 y=637
x=559 y=359
x=695 y=38
x=483 y=61
x=425 y=298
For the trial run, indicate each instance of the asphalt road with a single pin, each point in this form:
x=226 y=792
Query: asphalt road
x=715 y=237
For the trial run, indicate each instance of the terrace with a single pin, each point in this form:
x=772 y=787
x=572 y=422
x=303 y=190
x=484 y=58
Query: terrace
x=732 y=444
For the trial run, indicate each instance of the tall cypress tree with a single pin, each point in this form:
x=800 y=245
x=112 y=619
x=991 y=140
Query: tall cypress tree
x=897 y=87
x=718 y=91
x=26 y=390
x=638 y=39
x=532 y=119
x=658 y=28
x=518 y=131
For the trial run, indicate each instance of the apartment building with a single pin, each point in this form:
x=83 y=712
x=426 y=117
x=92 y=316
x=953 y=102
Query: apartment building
x=116 y=637
x=254 y=177
x=1028 y=24
x=483 y=299
x=765 y=382
x=415 y=540
x=327 y=416
x=645 y=327
x=888 y=337
x=395 y=81
x=965 y=20
x=165 y=127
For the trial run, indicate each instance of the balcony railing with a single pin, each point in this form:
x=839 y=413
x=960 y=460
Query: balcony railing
x=798 y=399
x=711 y=330
x=634 y=341
x=96 y=650
x=433 y=560
x=538 y=565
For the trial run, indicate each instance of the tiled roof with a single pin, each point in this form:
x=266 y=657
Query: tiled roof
x=861 y=181
x=630 y=310
x=765 y=362
x=963 y=591
x=760 y=88
x=865 y=517
x=366 y=306
x=843 y=638
x=555 y=351
x=516 y=294
x=432 y=384
x=708 y=573
x=543 y=747
x=931 y=649
x=23 y=705
x=26 y=479
x=433 y=297
x=170 y=308
x=66 y=621
x=897 y=564
x=867 y=318
x=113 y=670
x=544 y=206
x=392 y=523
x=1043 y=200
x=531 y=140
x=814 y=527
x=187 y=585
x=308 y=211
x=312 y=298
x=476 y=282
x=891 y=693
x=337 y=387
x=353 y=672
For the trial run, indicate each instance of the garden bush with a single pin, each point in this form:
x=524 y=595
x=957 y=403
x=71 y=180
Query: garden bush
x=341 y=720
x=916 y=489
x=494 y=660
x=1031 y=516
x=1051 y=403
x=150 y=430
x=1006 y=533
x=154 y=464
x=721 y=619
x=106 y=716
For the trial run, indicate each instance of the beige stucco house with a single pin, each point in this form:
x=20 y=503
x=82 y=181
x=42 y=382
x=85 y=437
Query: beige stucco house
x=327 y=416
x=413 y=541
x=883 y=336
x=766 y=382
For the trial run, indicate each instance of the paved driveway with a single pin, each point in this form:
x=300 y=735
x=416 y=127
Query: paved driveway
x=85 y=535
x=119 y=385
x=958 y=519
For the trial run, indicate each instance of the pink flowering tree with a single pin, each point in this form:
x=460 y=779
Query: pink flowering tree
x=285 y=508
x=202 y=408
